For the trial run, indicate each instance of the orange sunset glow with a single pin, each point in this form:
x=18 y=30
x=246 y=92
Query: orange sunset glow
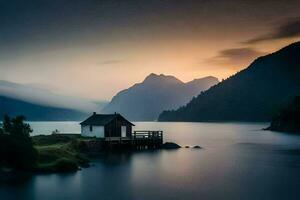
x=188 y=41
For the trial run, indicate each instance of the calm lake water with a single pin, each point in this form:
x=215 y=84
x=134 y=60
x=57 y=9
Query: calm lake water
x=239 y=161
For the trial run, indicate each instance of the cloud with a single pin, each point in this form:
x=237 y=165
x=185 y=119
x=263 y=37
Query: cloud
x=235 y=58
x=288 y=30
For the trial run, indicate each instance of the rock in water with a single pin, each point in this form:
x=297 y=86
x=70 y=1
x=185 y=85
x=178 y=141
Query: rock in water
x=197 y=147
x=170 y=145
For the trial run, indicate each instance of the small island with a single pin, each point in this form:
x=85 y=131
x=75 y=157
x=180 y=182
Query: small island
x=288 y=119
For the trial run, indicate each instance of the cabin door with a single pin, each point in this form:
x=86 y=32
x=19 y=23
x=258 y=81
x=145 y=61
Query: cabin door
x=123 y=131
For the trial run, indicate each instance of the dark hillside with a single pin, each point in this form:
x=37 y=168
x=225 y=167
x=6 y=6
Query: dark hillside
x=254 y=94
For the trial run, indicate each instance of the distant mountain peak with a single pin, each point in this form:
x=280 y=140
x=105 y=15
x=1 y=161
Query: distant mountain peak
x=145 y=100
x=152 y=78
x=152 y=75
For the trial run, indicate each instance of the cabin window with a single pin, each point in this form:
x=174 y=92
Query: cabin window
x=91 y=128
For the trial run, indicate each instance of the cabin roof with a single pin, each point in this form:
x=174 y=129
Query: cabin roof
x=103 y=119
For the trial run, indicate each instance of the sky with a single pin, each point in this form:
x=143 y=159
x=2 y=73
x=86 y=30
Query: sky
x=95 y=48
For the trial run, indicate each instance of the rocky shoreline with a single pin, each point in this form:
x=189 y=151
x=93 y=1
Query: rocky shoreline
x=288 y=119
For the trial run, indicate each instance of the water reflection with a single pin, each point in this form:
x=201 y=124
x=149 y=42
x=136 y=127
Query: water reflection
x=14 y=177
x=115 y=158
x=239 y=161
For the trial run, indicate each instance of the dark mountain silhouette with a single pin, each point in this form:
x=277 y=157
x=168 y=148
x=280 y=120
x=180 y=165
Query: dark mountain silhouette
x=144 y=101
x=34 y=112
x=254 y=94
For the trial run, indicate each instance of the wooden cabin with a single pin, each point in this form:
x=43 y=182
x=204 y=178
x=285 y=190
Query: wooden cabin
x=106 y=126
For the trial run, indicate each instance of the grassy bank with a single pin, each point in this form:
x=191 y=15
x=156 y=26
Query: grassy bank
x=69 y=152
x=60 y=153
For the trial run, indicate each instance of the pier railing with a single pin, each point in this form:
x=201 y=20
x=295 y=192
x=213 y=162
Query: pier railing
x=147 y=139
x=147 y=135
x=138 y=140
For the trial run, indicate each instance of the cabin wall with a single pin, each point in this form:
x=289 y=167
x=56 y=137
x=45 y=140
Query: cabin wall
x=113 y=129
x=97 y=131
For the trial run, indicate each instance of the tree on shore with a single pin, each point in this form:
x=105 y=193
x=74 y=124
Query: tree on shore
x=16 y=148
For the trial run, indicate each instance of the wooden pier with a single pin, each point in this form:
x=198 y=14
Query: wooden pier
x=147 y=139
x=139 y=140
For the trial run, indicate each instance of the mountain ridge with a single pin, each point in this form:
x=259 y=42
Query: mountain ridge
x=42 y=102
x=34 y=112
x=253 y=94
x=45 y=97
